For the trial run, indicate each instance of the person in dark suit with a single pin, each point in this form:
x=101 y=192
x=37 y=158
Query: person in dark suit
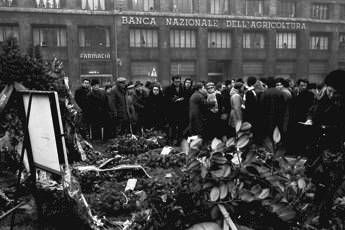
x=175 y=101
x=81 y=98
x=197 y=110
x=251 y=103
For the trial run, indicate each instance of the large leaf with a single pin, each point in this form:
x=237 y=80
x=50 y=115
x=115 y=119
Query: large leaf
x=203 y=171
x=256 y=190
x=227 y=170
x=216 y=144
x=214 y=194
x=223 y=191
x=205 y=226
x=264 y=194
x=276 y=135
x=218 y=159
x=286 y=214
x=196 y=143
x=219 y=173
x=246 y=196
x=230 y=142
x=242 y=141
x=301 y=183
x=193 y=165
x=268 y=144
x=238 y=125
x=246 y=126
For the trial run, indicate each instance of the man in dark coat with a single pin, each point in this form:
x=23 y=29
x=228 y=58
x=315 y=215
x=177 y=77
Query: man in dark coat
x=81 y=98
x=187 y=93
x=197 y=110
x=99 y=110
x=251 y=104
x=175 y=99
x=273 y=107
x=119 y=107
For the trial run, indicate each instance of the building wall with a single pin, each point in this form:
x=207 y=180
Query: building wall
x=235 y=61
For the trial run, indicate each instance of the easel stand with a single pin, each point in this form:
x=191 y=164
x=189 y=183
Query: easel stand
x=32 y=178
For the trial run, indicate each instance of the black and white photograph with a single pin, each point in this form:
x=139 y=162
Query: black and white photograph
x=172 y=114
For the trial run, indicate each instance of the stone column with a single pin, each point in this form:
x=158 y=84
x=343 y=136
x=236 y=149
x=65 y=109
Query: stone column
x=333 y=50
x=302 y=65
x=73 y=54
x=236 y=64
x=25 y=35
x=202 y=60
x=270 y=53
x=164 y=56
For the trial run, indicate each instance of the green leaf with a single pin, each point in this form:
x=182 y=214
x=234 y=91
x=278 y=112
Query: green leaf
x=301 y=183
x=203 y=171
x=286 y=214
x=227 y=171
x=207 y=185
x=230 y=142
x=246 y=126
x=219 y=159
x=205 y=226
x=193 y=165
x=214 y=194
x=218 y=173
x=215 y=213
x=246 y=196
x=223 y=191
x=256 y=190
x=264 y=194
x=216 y=144
x=276 y=135
x=242 y=141
x=238 y=125
x=196 y=143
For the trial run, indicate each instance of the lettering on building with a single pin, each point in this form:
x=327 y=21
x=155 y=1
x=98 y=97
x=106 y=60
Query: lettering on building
x=94 y=55
x=214 y=23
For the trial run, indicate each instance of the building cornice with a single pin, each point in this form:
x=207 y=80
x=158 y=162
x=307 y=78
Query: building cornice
x=160 y=14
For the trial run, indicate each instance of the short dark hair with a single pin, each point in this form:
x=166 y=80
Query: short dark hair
x=302 y=80
x=175 y=77
x=94 y=82
x=228 y=82
x=238 y=85
x=198 y=85
x=336 y=79
x=270 y=82
x=85 y=79
x=251 y=80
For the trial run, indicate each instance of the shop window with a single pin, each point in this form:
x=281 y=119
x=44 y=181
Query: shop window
x=253 y=40
x=94 y=37
x=143 y=38
x=219 y=6
x=183 y=6
x=342 y=41
x=143 y=5
x=318 y=42
x=48 y=4
x=253 y=7
x=50 y=37
x=93 y=4
x=96 y=68
x=183 y=69
x=320 y=11
x=219 y=39
x=8 y=3
x=182 y=39
x=287 y=8
x=7 y=32
x=286 y=40
x=144 y=71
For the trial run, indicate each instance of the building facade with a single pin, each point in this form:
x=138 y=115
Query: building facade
x=205 y=39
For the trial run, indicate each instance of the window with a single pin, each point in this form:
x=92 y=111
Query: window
x=318 y=42
x=287 y=9
x=94 y=37
x=182 y=39
x=219 y=6
x=253 y=7
x=342 y=41
x=219 y=39
x=286 y=40
x=184 y=69
x=8 y=3
x=143 y=5
x=95 y=68
x=143 y=71
x=183 y=6
x=143 y=38
x=48 y=3
x=342 y=11
x=320 y=11
x=253 y=40
x=8 y=32
x=93 y=4
x=51 y=37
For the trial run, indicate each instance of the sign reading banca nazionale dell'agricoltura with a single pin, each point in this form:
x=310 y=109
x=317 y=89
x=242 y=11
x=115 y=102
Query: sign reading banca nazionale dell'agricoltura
x=268 y=24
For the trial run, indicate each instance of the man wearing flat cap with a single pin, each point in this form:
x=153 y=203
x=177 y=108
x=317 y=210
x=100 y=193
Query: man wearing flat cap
x=119 y=107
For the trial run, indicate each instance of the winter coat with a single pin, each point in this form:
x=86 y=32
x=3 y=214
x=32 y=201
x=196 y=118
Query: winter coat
x=80 y=97
x=155 y=111
x=273 y=107
x=98 y=107
x=118 y=102
x=197 y=113
x=174 y=106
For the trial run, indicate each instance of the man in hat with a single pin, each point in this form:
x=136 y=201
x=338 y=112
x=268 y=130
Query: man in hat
x=119 y=107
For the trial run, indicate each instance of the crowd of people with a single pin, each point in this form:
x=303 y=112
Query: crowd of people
x=212 y=110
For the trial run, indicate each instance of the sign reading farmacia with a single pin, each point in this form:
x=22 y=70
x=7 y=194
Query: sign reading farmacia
x=215 y=23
